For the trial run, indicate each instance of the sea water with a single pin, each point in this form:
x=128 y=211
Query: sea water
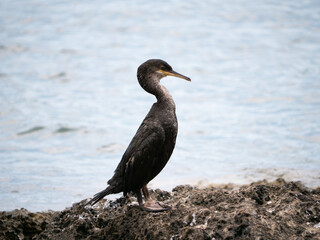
x=70 y=102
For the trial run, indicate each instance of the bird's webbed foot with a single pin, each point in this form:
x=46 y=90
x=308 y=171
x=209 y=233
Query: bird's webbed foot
x=149 y=204
x=154 y=206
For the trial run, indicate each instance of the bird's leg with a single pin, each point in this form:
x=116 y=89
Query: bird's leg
x=139 y=197
x=146 y=193
x=151 y=205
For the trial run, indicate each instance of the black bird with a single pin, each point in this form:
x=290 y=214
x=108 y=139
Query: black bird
x=153 y=143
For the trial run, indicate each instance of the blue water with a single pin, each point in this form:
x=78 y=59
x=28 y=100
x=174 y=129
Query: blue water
x=70 y=102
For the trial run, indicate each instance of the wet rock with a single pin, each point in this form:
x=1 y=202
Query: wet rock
x=22 y=224
x=277 y=210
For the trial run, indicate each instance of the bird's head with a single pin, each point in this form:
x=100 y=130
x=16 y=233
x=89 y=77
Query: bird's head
x=157 y=68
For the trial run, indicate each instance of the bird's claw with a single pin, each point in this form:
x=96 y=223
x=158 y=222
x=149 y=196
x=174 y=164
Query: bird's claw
x=153 y=206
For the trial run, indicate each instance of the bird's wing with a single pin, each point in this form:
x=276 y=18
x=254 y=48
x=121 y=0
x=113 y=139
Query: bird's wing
x=142 y=154
x=138 y=160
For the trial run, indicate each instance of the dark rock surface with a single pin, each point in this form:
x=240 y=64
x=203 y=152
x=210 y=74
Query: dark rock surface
x=277 y=210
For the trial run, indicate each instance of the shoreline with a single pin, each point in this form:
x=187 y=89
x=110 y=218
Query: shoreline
x=260 y=210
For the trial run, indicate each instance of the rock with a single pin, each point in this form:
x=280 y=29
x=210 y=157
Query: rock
x=277 y=210
x=22 y=224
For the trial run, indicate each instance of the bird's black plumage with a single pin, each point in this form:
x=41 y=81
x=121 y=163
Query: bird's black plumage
x=153 y=143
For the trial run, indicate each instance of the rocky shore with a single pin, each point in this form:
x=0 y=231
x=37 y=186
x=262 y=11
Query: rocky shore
x=261 y=210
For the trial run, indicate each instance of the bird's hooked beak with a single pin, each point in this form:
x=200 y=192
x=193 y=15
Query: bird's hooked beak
x=174 y=74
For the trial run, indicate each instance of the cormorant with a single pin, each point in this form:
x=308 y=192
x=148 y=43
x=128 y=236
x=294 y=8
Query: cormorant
x=153 y=143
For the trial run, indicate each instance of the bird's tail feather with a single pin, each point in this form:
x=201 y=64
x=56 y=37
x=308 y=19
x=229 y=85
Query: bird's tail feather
x=98 y=196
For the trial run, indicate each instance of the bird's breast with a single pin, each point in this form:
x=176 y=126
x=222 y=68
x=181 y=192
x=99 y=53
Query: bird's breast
x=166 y=115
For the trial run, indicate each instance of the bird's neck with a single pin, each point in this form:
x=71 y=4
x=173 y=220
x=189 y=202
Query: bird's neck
x=159 y=91
x=164 y=97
